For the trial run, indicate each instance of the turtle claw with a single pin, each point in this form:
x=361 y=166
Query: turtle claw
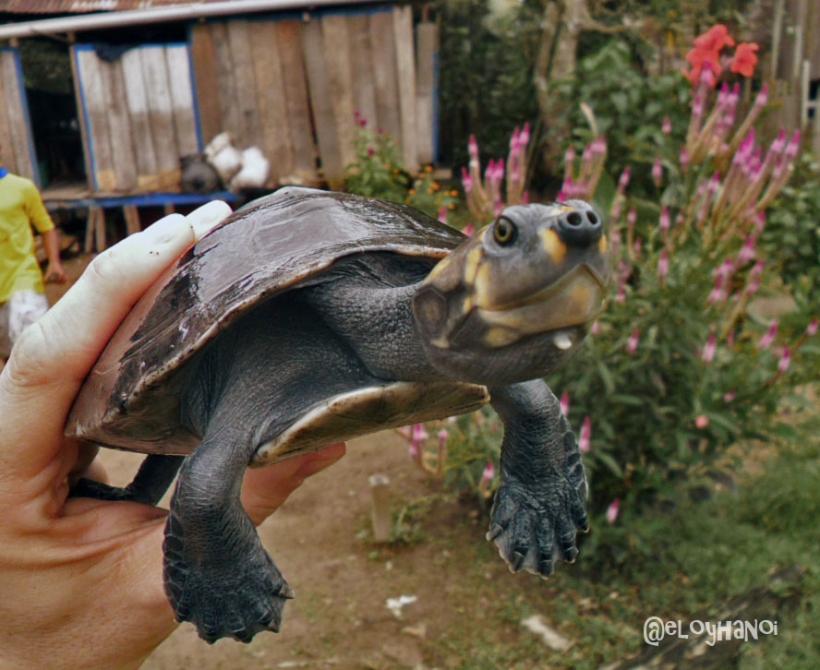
x=233 y=592
x=533 y=528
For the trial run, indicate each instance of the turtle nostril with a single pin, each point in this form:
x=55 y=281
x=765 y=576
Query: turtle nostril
x=593 y=217
x=574 y=219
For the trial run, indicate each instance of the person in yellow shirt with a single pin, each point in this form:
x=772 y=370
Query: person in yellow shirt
x=22 y=292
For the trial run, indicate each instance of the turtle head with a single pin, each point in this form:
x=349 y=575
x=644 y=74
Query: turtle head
x=514 y=301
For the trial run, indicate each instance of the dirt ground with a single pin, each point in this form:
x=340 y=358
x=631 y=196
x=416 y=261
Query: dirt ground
x=467 y=603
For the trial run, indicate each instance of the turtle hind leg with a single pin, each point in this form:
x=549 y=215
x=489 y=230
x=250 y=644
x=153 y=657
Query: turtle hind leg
x=152 y=480
x=217 y=574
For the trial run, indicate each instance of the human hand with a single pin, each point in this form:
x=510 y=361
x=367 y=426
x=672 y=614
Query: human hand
x=81 y=579
x=55 y=272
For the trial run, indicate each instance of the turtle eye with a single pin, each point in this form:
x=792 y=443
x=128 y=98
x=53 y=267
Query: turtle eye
x=504 y=232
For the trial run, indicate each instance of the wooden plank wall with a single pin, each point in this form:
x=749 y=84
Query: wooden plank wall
x=15 y=133
x=794 y=64
x=138 y=114
x=291 y=87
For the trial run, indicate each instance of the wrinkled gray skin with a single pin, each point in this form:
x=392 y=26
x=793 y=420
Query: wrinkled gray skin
x=349 y=328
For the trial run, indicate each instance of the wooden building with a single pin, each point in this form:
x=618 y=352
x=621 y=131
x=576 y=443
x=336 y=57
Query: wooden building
x=152 y=82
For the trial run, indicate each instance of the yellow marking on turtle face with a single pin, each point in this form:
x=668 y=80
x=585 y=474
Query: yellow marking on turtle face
x=499 y=337
x=603 y=244
x=438 y=269
x=471 y=265
x=480 y=287
x=467 y=305
x=553 y=245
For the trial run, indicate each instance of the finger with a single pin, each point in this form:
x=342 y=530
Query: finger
x=265 y=489
x=52 y=357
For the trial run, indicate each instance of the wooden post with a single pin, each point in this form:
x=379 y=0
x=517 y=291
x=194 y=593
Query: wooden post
x=382 y=520
x=95 y=230
x=132 y=219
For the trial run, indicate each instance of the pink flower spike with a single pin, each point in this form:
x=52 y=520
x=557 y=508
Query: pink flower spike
x=489 y=472
x=709 y=350
x=612 y=511
x=632 y=217
x=473 y=148
x=729 y=396
x=442 y=214
x=725 y=268
x=595 y=328
x=666 y=126
x=564 y=403
x=811 y=329
x=498 y=174
x=586 y=433
x=569 y=156
x=778 y=142
x=657 y=171
x=768 y=338
x=418 y=433
x=683 y=159
x=747 y=252
x=632 y=342
x=785 y=358
x=793 y=146
x=489 y=171
x=468 y=230
x=757 y=270
x=466 y=180
x=663 y=266
x=702 y=421
x=763 y=95
x=442 y=436
x=697 y=106
x=665 y=219
x=623 y=180
x=525 y=198
x=524 y=137
x=718 y=293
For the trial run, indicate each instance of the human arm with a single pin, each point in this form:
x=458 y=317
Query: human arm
x=82 y=579
x=54 y=270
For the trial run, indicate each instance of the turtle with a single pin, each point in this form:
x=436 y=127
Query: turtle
x=310 y=317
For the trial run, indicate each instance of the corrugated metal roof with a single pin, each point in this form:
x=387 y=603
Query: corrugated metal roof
x=86 y=6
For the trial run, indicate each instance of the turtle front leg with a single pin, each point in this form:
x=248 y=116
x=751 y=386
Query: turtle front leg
x=217 y=573
x=540 y=504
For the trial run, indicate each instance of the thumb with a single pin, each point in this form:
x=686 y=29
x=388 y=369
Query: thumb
x=265 y=489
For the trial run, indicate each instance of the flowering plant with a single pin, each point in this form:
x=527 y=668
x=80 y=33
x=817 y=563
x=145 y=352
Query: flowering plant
x=377 y=172
x=685 y=362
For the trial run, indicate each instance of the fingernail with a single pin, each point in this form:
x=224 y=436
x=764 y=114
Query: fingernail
x=204 y=219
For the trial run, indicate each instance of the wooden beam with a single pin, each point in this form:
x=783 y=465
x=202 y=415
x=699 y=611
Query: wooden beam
x=406 y=73
x=203 y=56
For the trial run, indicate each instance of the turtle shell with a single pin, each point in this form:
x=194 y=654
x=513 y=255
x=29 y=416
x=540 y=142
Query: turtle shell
x=131 y=398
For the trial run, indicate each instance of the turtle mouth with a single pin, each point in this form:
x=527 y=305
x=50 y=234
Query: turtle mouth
x=574 y=299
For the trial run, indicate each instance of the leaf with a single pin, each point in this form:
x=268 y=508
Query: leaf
x=632 y=400
x=606 y=378
x=610 y=463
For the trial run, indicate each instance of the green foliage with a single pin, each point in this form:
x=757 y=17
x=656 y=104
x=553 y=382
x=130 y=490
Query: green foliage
x=378 y=173
x=792 y=234
x=628 y=106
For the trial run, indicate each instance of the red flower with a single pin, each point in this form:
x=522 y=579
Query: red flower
x=707 y=51
x=714 y=39
x=698 y=57
x=745 y=59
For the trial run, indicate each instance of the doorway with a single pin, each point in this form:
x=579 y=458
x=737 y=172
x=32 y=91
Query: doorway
x=52 y=104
